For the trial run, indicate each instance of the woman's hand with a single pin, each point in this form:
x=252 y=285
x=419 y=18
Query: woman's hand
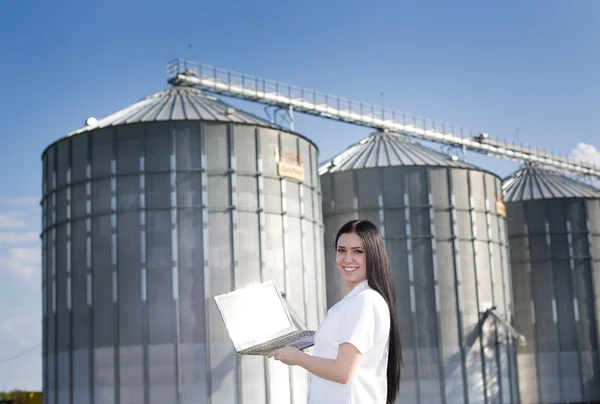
x=288 y=355
x=339 y=370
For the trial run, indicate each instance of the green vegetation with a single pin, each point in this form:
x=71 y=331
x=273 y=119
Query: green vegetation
x=8 y=395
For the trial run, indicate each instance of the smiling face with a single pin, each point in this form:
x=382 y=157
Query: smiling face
x=351 y=259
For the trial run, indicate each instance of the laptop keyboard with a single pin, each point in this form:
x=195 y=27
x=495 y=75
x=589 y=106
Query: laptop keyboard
x=279 y=342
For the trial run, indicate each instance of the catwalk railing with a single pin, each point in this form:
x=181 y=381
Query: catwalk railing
x=287 y=96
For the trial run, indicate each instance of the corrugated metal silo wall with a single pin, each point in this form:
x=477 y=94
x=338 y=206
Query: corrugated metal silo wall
x=142 y=225
x=448 y=250
x=555 y=255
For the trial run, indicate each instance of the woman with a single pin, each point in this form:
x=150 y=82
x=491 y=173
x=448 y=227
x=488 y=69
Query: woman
x=357 y=354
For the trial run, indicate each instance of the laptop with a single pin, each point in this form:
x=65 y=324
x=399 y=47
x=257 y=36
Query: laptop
x=258 y=320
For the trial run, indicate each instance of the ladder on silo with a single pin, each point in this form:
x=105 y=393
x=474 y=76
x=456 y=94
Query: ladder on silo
x=290 y=97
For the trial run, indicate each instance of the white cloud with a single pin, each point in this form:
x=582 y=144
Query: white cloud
x=18 y=238
x=11 y=220
x=587 y=153
x=24 y=331
x=18 y=201
x=24 y=373
x=24 y=263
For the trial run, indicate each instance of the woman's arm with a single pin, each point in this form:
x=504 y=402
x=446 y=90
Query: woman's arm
x=339 y=370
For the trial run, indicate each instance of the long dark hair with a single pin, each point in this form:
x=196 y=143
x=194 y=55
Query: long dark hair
x=379 y=277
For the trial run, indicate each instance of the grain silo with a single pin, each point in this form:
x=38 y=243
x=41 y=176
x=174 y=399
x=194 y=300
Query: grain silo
x=149 y=213
x=444 y=227
x=554 y=233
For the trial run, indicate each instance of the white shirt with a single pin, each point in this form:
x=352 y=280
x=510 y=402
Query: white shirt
x=361 y=318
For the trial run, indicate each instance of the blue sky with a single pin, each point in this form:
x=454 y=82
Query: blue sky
x=508 y=67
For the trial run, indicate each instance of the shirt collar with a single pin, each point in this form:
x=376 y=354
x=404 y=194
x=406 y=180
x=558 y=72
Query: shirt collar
x=358 y=288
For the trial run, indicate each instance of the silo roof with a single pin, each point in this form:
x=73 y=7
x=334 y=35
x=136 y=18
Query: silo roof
x=177 y=103
x=536 y=183
x=388 y=150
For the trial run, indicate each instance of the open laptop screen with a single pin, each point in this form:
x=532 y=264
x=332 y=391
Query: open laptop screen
x=253 y=314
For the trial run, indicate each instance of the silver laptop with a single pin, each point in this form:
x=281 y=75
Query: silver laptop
x=258 y=320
